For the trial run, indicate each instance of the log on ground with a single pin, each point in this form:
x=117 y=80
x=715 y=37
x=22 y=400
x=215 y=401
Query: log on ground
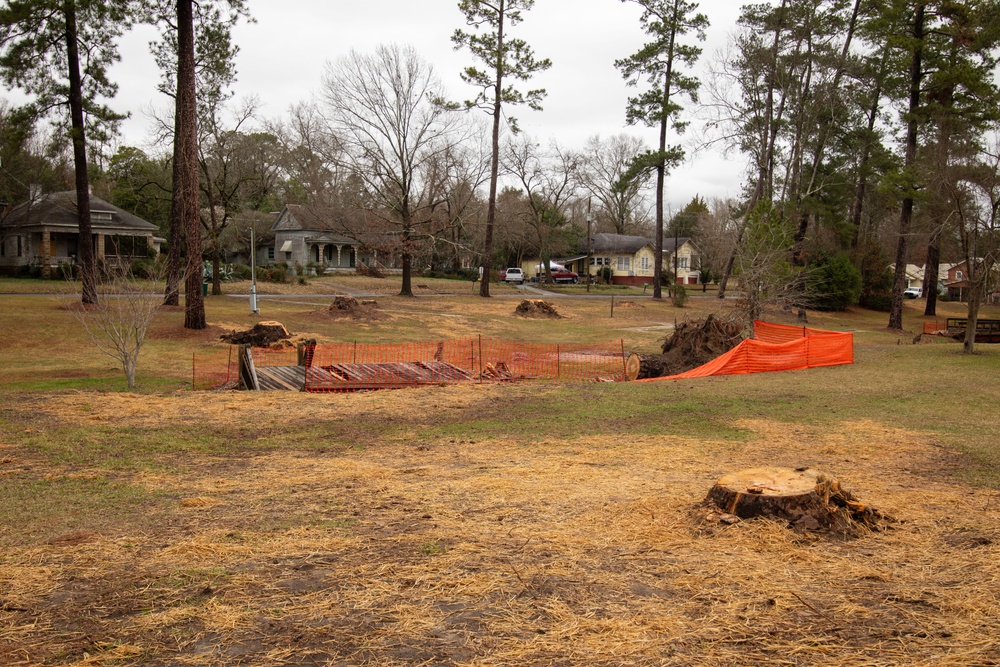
x=641 y=366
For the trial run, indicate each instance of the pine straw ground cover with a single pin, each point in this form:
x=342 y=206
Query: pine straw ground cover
x=385 y=542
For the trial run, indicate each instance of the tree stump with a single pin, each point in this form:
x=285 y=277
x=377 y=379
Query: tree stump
x=806 y=498
x=778 y=492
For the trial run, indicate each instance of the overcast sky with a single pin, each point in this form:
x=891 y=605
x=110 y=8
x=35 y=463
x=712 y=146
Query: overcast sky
x=282 y=56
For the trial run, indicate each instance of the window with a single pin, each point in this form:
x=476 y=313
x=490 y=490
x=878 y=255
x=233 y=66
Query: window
x=644 y=263
x=624 y=263
x=270 y=252
x=100 y=215
x=3 y=247
x=20 y=247
x=598 y=260
x=682 y=262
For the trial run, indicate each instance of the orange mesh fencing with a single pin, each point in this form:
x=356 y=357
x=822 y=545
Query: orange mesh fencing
x=777 y=347
x=217 y=368
x=935 y=327
x=351 y=366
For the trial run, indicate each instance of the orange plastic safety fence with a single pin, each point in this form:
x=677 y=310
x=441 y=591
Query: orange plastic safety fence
x=275 y=356
x=350 y=366
x=777 y=347
x=934 y=327
x=213 y=369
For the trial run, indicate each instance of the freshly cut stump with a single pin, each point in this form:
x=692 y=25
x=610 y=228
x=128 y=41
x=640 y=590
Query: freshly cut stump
x=806 y=498
x=779 y=492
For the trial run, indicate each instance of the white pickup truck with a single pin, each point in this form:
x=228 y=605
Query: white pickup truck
x=514 y=275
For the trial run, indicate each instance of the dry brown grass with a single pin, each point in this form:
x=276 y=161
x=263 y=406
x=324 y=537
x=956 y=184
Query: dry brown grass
x=465 y=551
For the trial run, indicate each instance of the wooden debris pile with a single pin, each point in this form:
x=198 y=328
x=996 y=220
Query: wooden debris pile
x=497 y=371
x=692 y=344
x=536 y=308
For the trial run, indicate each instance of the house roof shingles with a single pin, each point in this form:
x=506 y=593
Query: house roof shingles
x=59 y=210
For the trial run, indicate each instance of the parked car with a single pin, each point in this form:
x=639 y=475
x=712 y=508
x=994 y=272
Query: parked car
x=560 y=274
x=565 y=276
x=514 y=275
x=913 y=293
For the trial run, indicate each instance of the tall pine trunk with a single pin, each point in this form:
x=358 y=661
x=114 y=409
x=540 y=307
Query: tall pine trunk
x=906 y=211
x=186 y=187
x=88 y=265
x=491 y=207
x=175 y=233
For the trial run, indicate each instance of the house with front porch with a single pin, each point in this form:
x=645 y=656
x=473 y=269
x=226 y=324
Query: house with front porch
x=319 y=239
x=45 y=232
x=631 y=259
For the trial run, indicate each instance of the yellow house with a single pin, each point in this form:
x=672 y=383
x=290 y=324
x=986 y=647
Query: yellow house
x=631 y=259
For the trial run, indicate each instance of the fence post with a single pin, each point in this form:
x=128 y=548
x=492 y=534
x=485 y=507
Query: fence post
x=559 y=355
x=480 y=358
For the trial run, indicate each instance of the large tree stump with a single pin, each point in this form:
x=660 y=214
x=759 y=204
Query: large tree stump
x=806 y=498
x=778 y=492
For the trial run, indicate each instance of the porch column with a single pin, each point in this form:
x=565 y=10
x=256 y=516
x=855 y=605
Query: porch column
x=339 y=248
x=45 y=252
x=99 y=250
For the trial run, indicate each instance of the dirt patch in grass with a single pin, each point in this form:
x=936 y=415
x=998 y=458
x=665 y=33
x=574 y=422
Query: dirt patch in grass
x=458 y=550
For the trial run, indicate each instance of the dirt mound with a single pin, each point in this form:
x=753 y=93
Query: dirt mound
x=536 y=308
x=262 y=334
x=349 y=307
x=693 y=343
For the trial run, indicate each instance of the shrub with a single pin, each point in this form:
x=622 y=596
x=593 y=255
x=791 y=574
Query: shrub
x=876 y=278
x=142 y=269
x=241 y=272
x=833 y=282
x=276 y=273
x=680 y=296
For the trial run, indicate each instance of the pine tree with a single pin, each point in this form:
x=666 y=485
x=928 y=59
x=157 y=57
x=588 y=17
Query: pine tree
x=505 y=60
x=41 y=42
x=658 y=63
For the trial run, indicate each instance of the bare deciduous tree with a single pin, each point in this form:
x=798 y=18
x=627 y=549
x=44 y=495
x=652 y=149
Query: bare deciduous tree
x=387 y=110
x=977 y=202
x=605 y=175
x=548 y=179
x=119 y=324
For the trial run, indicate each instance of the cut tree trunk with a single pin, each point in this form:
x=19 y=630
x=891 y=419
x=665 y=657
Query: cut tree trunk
x=641 y=366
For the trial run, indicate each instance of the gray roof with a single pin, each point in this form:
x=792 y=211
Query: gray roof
x=617 y=243
x=622 y=244
x=59 y=210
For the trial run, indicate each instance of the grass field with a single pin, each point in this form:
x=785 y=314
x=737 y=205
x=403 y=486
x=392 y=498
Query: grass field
x=537 y=523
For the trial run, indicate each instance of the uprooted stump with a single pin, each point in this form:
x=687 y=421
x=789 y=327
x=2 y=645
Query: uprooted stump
x=693 y=343
x=262 y=334
x=348 y=306
x=807 y=499
x=536 y=308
